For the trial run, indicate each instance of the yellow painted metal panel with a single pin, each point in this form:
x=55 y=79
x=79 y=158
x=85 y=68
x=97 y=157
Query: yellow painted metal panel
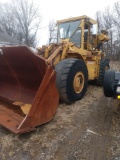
x=91 y=69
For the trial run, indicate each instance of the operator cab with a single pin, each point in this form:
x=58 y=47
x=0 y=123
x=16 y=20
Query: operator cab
x=70 y=30
x=76 y=30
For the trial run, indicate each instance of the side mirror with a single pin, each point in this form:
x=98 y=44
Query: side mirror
x=104 y=32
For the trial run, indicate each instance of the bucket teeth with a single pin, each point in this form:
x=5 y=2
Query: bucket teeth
x=24 y=107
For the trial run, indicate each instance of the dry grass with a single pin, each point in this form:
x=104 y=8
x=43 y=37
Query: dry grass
x=42 y=143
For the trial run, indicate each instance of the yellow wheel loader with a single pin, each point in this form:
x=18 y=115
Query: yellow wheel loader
x=77 y=56
x=31 y=84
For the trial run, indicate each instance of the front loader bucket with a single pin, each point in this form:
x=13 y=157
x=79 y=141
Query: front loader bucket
x=28 y=93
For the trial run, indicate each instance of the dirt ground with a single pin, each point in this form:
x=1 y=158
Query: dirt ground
x=86 y=130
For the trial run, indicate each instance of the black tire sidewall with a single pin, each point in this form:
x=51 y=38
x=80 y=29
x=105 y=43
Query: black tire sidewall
x=103 y=64
x=109 y=82
x=78 y=66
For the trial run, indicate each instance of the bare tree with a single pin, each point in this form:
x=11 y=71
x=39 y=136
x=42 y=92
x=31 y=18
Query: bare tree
x=52 y=32
x=108 y=26
x=7 y=19
x=21 y=18
x=99 y=20
x=116 y=21
x=105 y=21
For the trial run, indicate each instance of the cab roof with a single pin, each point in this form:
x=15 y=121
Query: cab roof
x=92 y=21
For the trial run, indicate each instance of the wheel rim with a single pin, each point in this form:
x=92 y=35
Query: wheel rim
x=78 y=82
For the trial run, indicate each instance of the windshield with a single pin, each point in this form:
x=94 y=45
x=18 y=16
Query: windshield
x=65 y=30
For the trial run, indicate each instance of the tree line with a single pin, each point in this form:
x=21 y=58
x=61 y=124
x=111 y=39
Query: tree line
x=110 y=21
x=22 y=19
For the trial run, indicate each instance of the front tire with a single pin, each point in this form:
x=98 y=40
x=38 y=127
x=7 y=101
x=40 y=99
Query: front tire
x=72 y=79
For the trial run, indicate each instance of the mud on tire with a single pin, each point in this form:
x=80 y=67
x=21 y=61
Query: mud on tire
x=68 y=72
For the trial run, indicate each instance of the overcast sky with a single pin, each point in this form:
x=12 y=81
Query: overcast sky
x=69 y=8
x=61 y=9
x=57 y=10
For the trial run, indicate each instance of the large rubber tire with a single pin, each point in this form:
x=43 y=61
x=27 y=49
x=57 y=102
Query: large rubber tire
x=109 y=82
x=104 y=65
x=66 y=73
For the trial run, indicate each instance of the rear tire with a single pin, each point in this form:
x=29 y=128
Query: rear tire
x=104 y=65
x=109 y=82
x=71 y=80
